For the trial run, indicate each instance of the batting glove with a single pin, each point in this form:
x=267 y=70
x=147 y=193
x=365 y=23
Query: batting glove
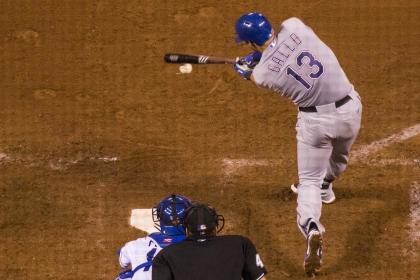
x=245 y=65
x=242 y=69
x=252 y=59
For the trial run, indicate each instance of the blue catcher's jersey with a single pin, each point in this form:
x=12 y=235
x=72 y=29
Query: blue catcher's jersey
x=139 y=254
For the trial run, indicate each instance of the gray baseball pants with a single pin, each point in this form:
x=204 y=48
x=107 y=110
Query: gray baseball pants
x=324 y=139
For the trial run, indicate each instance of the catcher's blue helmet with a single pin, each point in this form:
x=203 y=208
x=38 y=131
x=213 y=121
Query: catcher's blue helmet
x=253 y=27
x=169 y=213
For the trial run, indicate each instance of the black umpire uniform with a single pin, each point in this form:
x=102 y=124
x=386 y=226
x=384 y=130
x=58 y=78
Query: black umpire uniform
x=205 y=256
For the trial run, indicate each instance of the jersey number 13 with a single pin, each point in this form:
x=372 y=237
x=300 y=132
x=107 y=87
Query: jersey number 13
x=316 y=67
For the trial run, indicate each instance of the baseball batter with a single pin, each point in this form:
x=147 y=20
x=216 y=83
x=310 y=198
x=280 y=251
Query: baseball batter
x=297 y=64
x=138 y=254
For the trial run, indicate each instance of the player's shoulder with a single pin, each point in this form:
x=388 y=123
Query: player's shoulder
x=138 y=245
x=292 y=23
x=138 y=242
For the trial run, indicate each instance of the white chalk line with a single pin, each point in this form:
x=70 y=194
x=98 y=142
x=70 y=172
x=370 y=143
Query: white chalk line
x=54 y=164
x=415 y=210
x=414 y=226
x=396 y=161
x=231 y=166
x=366 y=150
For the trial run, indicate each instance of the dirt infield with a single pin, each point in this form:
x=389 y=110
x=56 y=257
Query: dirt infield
x=93 y=124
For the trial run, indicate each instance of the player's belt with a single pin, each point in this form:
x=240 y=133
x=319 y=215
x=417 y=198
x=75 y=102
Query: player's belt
x=338 y=103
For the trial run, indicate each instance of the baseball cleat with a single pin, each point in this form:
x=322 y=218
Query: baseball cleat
x=313 y=256
x=327 y=193
x=294 y=187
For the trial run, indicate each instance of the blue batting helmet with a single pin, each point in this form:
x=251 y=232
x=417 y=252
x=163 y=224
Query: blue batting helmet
x=253 y=27
x=169 y=213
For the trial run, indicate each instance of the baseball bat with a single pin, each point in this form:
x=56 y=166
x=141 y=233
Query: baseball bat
x=197 y=59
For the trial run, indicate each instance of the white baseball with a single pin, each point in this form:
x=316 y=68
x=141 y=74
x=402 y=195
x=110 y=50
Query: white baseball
x=185 y=68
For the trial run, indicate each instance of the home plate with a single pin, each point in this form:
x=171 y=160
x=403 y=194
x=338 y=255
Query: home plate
x=142 y=220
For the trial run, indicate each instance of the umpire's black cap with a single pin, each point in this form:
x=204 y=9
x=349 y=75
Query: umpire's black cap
x=201 y=220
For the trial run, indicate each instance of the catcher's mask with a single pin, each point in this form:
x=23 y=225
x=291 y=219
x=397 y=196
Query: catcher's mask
x=202 y=221
x=169 y=213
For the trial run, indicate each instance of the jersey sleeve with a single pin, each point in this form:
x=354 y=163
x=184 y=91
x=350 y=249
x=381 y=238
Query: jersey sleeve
x=254 y=268
x=161 y=269
x=123 y=257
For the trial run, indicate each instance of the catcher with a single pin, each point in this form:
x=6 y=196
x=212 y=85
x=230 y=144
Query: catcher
x=138 y=254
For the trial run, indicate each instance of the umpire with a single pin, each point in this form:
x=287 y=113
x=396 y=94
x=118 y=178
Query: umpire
x=205 y=256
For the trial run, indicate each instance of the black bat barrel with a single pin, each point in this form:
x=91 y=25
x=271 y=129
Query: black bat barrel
x=181 y=58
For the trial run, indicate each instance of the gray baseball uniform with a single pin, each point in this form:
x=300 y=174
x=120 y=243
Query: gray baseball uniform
x=300 y=66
